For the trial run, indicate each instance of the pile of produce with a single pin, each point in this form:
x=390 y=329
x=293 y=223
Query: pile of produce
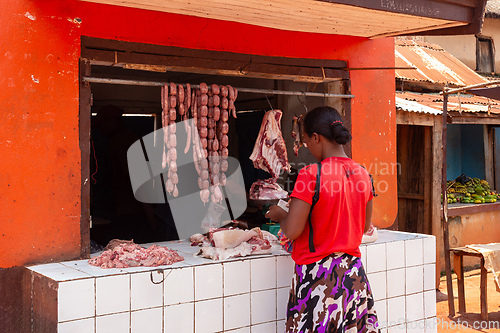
x=470 y=190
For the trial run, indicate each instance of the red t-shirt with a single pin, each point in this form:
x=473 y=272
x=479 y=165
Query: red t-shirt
x=338 y=218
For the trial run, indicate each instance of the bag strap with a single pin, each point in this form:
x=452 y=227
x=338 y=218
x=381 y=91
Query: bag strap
x=371 y=180
x=314 y=201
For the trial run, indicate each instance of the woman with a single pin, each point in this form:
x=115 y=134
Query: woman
x=330 y=291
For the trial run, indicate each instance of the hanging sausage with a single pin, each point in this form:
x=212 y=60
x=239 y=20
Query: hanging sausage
x=172 y=178
x=210 y=107
x=185 y=117
x=222 y=130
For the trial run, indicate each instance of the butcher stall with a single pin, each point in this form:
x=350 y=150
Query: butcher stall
x=208 y=159
x=245 y=294
x=66 y=187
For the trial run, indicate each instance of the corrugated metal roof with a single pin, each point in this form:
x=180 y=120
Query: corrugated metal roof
x=412 y=106
x=456 y=103
x=492 y=9
x=433 y=64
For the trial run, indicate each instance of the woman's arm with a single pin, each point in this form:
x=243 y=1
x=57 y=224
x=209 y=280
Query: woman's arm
x=293 y=223
x=368 y=216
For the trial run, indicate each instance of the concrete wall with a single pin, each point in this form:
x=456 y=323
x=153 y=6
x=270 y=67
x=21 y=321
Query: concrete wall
x=491 y=28
x=461 y=47
x=464 y=47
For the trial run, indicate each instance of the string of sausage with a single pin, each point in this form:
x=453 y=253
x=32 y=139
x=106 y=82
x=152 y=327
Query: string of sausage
x=229 y=95
x=213 y=143
x=185 y=116
x=201 y=146
x=210 y=110
x=171 y=142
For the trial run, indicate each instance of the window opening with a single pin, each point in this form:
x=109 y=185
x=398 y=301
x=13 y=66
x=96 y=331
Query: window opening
x=485 y=55
x=141 y=105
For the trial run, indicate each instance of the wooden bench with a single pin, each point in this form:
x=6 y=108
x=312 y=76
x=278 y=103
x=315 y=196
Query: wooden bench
x=458 y=255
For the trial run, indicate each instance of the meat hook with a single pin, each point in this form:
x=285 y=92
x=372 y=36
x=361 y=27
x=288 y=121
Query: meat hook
x=303 y=104
x=269 y=103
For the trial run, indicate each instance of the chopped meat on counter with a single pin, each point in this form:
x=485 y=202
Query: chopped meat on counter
x=199 y=239
x=232 y=242
x=269 y=152
x=267 y=189
x=129 y=254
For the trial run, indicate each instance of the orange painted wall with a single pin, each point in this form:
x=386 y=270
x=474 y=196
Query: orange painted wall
x=40 y=169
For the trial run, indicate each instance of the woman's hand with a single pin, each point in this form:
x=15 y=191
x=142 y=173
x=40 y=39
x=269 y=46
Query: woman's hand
x=276 y=214
x=296 y=219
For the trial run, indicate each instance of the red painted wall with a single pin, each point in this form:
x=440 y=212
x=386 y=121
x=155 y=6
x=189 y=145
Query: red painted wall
x=40 y=46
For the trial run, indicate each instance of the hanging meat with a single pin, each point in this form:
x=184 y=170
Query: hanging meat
x=296 y=130
x=269 y=152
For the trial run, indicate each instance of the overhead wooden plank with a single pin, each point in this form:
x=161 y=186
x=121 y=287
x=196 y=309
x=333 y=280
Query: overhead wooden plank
x=414 y=118
x=222 y=63
x=468 y=3
x=297 y=15
x=447 y=10
x=133 y=48
x=473 y=119
x=221 y=67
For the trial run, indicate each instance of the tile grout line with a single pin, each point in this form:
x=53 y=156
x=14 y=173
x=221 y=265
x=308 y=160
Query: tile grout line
x=194 y=297
x=163 y=301
x=130 y=302
x=95 y=305
x=223 y=298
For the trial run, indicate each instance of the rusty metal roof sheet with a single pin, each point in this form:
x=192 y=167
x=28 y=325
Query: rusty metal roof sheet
x=492 y=9
x=433 y=64
x=456 y=103
x=413 y=106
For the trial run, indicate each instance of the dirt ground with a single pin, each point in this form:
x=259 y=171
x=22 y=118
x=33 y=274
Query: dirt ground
x=464 y=322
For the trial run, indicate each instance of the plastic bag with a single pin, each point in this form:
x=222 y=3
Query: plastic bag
x=370 y=236
x=212 y=217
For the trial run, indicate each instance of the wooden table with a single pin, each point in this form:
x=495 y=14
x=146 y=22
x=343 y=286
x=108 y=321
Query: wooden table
x=458 y=255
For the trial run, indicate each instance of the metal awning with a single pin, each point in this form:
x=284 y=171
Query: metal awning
x=362 y=18
x=435 y=67
x=463 y=103
x=413 y=106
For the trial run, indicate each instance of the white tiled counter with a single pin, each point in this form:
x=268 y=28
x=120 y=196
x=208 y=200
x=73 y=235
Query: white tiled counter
x=401 y=269
x=237 y=295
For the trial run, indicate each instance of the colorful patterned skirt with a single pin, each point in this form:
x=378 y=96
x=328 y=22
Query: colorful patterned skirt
x=331 y=295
